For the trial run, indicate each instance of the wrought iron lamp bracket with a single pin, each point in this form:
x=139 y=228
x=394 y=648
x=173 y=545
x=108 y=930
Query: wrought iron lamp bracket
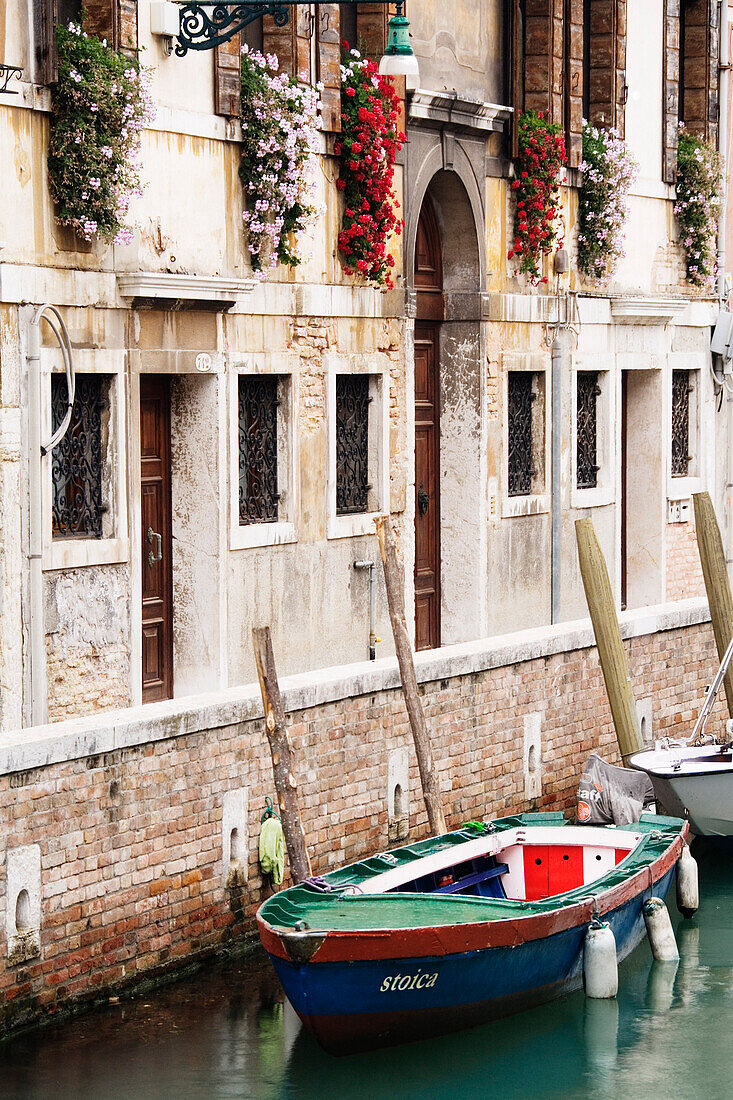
x=205 y=24
x=7 y=72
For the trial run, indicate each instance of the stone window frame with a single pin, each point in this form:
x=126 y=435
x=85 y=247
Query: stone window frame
x=377 y=367
x=604 y=492
x=535 y=502
x=114 y=546
x=285 y=529
x=682 y=487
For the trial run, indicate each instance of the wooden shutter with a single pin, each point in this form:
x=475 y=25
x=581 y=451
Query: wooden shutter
x=328 y=54
x=45 y=17
x=371 y=28
x=699 y=49
x=574 y=81
x=608 y=63
x=127 y=26
x=291 y=43
x=543 y=58
x=113 y=20
x=670 y=106
x=228 y=79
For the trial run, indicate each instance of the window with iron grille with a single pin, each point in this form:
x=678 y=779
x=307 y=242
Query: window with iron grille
x=352 y=444
x=587 y=429
x=520 y=459
x=680 y=423
x=76 y=462
x=258 y=490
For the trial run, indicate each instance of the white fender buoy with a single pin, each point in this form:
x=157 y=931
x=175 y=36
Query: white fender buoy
x=659 y=930
x=600 y=968
x=688 y=891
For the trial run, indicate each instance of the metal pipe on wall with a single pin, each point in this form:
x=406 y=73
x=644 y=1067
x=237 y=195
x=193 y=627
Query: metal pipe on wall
x=556 y=351
x=373 y=639
x=36 y=451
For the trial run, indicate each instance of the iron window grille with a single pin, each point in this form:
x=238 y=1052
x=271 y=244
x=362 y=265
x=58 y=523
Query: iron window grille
x=680 y=423
x=520 y=459
x=352 y=444
x=76 y=462
x=587 y=429
x=258 y=490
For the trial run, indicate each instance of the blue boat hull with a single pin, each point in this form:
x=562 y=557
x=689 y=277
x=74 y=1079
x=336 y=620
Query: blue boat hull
x=361 y=1004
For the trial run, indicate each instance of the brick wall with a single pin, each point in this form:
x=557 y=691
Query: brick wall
x=127 y=808
x=684 y=572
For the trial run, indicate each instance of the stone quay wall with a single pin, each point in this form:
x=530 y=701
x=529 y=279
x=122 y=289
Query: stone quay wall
x=130 y=837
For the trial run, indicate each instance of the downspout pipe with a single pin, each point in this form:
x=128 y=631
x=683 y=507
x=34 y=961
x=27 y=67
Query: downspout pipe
x=373 y=639
x=723 y=82
x=36 y=451
x=556 y=353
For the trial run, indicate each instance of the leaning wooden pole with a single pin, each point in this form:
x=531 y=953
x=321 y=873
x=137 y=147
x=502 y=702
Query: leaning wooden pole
x=395 y=600
x=277 y=734
x=717 y=582
x=608 y=638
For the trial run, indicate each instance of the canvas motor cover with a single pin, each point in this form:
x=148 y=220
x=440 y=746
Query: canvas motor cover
x=608 y=795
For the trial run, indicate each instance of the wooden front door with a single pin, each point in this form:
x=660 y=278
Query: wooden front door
x=157 y=571
x=429 y=286
x=427 y=488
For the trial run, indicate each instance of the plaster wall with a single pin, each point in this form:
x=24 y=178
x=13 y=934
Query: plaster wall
x=456 y=47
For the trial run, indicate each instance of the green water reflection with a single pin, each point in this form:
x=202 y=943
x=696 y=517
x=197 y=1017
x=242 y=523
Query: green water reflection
x=227 y=1033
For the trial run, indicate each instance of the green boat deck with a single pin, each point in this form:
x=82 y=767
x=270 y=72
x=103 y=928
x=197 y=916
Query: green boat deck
x=332 y=910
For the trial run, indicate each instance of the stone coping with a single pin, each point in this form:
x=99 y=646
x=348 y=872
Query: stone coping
x=106 y=731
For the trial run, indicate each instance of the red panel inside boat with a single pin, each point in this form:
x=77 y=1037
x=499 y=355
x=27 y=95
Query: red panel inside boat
x=551 y=869
x=536 y=872
x=566 y=869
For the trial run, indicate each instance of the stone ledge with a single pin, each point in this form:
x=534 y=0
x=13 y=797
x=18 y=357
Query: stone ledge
x=104 y=732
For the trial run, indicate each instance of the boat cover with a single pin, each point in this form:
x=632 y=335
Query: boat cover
x=608 y=795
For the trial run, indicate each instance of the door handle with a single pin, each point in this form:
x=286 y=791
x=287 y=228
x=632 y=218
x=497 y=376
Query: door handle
x=423 y=501
x=154 y=557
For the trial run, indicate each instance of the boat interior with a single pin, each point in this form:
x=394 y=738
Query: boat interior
x=519 y=865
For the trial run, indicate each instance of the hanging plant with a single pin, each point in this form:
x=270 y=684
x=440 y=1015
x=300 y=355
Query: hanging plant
x=279 y=157
x=607 y=173
x=698 y=205
x=366 y=149
x=536 y=193
x=101 y=102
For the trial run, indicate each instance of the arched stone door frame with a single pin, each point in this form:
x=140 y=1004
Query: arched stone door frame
x=460 y=513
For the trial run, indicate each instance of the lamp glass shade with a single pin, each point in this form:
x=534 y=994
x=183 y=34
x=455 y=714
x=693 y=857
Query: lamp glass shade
x=398 y=58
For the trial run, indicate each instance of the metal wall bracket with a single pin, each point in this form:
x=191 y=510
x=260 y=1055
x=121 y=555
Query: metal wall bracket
x=7 y=72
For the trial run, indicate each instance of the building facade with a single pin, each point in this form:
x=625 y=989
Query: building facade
x=232 y=440
x=183 y=351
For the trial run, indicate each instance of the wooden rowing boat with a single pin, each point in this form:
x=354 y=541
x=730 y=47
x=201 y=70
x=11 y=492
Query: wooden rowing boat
x=458 y=929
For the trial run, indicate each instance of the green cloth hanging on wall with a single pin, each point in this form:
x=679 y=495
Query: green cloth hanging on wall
x=272 y=848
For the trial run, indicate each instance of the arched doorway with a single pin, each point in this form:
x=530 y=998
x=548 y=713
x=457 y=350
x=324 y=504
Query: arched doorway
x=450 y=430
x=429 y=287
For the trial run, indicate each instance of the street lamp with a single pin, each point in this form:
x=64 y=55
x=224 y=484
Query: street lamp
x=398 y=58
x=205 y=24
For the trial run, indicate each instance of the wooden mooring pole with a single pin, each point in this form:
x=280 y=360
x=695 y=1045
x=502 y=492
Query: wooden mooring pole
x=282 y=766
x=717 y=582
x=608 y=638
x=395 y=600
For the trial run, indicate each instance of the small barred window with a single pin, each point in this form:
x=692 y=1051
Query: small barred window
x=520 y=458
x=258 y=488
x=352 y=444
x=76 y=462
x=680 y=423
x=587 y=429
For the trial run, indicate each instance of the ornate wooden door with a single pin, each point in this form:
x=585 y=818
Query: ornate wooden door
x=157 y=566
x=429 y=286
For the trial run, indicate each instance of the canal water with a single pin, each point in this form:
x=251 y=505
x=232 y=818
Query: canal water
x=226 y=1033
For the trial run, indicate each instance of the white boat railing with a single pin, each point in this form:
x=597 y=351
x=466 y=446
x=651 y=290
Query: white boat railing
x=713 y=690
